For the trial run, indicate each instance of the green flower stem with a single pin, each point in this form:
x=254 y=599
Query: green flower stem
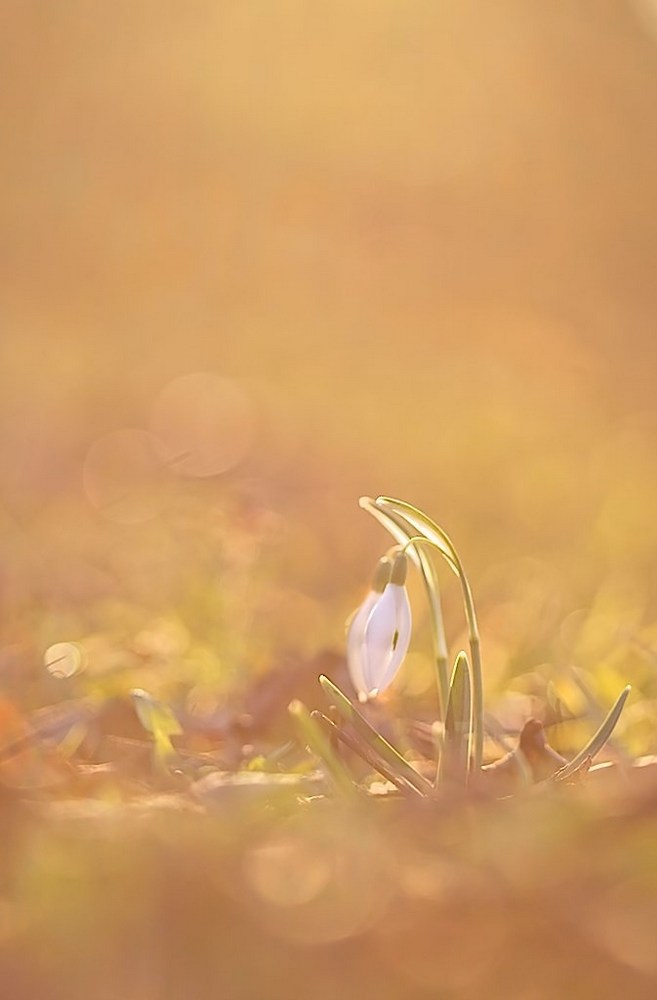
x=477 y=703
x=380 y=746
x=435 y=536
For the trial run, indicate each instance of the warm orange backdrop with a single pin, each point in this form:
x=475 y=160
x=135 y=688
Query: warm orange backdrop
x=420 y=238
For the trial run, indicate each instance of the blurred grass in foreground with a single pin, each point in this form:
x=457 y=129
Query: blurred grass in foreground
x=530 y=899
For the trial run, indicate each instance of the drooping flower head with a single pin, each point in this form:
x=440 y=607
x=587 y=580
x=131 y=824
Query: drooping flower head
x=380 y=631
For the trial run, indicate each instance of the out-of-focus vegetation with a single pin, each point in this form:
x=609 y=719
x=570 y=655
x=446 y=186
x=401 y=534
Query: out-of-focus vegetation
x=321 y=254
x=260 y=259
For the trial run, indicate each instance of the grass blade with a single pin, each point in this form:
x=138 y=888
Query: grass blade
x=596 y=712
x=367 y=732
x=313 y=736
x=422 y=525
x=598 y=740
x=358 y=746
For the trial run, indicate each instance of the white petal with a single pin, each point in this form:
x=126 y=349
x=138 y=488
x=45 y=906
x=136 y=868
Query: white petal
x=379 y=640
x=355 y=643
x=401 y=641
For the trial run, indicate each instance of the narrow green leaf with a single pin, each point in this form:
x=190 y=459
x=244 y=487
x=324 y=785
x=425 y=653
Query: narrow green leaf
x=357 y=745
x=455 y=759
x=598 y=740
x=160 y=721
x=154 y=715
x=422 y=525
x=380 y=746
x=392 y=523
x=311 y=734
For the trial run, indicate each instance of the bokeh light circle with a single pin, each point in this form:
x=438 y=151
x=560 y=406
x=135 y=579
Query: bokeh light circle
x=314 y=883
x=206 y=424
x=63 y=659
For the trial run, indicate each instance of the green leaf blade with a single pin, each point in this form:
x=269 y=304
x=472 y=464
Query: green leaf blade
x=456 y=758
x=598 y=740
x=311 y=733
x=392 y=757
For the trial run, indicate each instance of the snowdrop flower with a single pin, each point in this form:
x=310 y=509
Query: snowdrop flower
x=380 y=631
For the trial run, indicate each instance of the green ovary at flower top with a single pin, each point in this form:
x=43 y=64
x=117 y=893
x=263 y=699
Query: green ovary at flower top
x=380 y=631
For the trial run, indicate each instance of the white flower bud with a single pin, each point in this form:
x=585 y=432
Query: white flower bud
x=380 y=634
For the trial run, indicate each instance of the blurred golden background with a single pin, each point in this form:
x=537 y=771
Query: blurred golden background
x=259 y=259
